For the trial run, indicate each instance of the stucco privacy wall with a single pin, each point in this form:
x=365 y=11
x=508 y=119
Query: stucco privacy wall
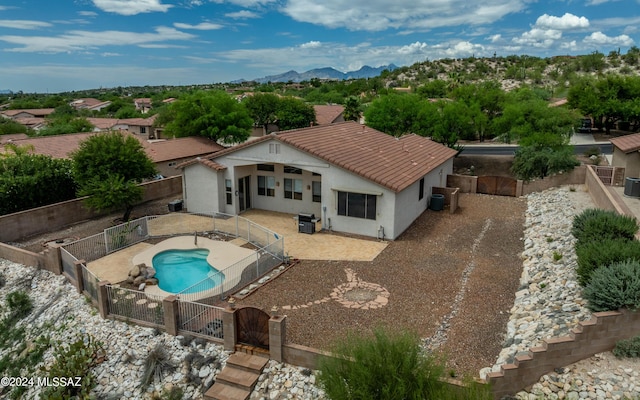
x=53 y=217
x=630 y=161
x=200 y=188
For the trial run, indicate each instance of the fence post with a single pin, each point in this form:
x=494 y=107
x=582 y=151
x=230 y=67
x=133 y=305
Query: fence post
x=277 y=336
x=77 y=270
x=103 y=299
x=237 y=230
x=229 y=328
x=248 y=231
x=170 y=306
x=257 y=265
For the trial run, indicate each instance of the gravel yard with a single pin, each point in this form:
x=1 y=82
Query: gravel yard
x=454 y=275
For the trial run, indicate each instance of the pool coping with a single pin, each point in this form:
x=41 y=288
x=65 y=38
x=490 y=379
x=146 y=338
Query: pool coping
x=221 y=255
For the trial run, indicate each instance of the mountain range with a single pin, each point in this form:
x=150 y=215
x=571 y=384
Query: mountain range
x=326 y=73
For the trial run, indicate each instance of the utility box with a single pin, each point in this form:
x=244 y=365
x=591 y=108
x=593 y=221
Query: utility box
x=307 y=223
x=175 y=206
x=632 y=187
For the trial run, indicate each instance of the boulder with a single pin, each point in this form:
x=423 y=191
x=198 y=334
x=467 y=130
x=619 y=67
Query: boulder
x=151 y=281
x=150 y=272
x=138 y=280
x=135 y=271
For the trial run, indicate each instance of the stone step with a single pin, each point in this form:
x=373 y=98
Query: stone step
x=238 y=377
x=222 y=391
x=247 y=362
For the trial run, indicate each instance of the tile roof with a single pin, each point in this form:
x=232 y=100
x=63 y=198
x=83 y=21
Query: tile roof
x=627 y=143
x=36 y=112
x=60 y=146
x=327 y=114
x=394 y=163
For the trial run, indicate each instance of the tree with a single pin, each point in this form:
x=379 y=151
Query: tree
x=262 y=108
x=293 y=114
x=538 y=161
x=214 y=115
x=30 y=180
x=352 y=109
x=395 y=114
x=108 y=167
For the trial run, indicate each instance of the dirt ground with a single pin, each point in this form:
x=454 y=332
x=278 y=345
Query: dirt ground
x=454 y=273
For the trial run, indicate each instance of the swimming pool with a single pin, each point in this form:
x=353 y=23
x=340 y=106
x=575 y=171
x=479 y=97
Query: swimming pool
x=178 y=270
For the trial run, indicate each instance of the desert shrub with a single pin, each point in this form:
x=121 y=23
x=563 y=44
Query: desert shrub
x=595 y=254
x=19 y=303
x=158 y=362
x=614 y=287
x=596 y=224
x=386 y=366
x=627 y=348
x=74 y=359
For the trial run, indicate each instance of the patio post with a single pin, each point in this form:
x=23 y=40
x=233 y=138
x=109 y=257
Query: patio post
x=171 y=316
x=103 y=299
x=277 y=336
x=229 y=328
x=77 y=270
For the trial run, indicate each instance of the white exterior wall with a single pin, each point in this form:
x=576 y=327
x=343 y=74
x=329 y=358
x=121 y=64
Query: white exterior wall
x=394 y=212
x=408 y=207
x=200 y=188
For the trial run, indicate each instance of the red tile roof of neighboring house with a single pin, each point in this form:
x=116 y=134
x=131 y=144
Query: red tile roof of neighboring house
x=32 y=121
x=36 y=112
x=627 y=143
x=394 y=163
x=60 y=146
x=327 y=114
x=104 y=123
x=139 y=121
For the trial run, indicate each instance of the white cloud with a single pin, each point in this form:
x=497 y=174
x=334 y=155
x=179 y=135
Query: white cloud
x=408 y=15
x=73 y=41
x=413 y=48
x=571 y=46
x=567 y=21
x=314 y=44
x=495 y=38
x=88 y=13
x=23 y=24
x=203 y=26
x=600 y=39
x=541 y=38
x=245 y=3
x=244 y=14
x=131 y=7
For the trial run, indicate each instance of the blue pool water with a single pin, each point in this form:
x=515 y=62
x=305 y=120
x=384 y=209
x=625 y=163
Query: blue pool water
x=178 y=270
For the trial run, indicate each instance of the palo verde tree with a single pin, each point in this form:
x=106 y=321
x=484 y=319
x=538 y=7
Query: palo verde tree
x=108 y=168
x=213 y=114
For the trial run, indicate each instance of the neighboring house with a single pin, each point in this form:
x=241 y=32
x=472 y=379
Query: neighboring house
x=142 y=126
x=626 y=154
x=90 y=104
x=166 y=154
x=107 y=124
x=143 y=104
x=329 y=114
x=353 y=178
x=33 y=123
x=27 y=113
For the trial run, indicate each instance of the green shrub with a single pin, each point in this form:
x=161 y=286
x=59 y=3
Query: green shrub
x=614 y=287
x=627 y=348
x=595 y=254
x=595 y=225
x=387 y=366
x=75 y=359
x=20 y=304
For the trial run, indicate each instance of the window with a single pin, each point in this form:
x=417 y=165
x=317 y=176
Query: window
x=316 y=191
x=292 y=170
x=228 y=192
x=357 y=205
x=293 y=189
x=274 y=148
x=421 y=194
x=143 y=130
x=266 y=167
x=172 y=163
x=266 y=186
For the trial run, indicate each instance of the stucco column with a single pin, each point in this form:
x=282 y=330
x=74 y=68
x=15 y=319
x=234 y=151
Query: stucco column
x=229 y=328
x=170 y=308
x=277 y=337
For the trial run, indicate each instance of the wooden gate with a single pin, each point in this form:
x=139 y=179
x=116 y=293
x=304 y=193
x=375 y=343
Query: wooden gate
x=498 y=185
x=252 y=327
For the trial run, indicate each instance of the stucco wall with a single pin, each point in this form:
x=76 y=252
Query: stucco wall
x=56 y=216
x=200 y=187
x=630 y=161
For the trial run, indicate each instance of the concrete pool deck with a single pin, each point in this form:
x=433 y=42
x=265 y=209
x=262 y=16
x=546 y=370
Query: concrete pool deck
x=115 y=267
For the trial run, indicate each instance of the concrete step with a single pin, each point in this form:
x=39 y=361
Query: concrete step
x=222 y=391
x=247 y=362
x=237 y=377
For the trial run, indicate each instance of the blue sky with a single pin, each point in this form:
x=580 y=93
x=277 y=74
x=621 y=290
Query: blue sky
x=61 y=45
